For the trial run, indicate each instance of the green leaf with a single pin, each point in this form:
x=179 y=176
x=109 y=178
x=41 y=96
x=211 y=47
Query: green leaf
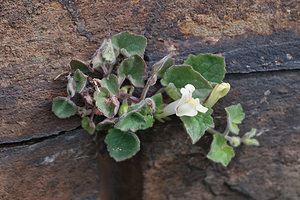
x=172 y=91
x=134 y=68
x=161 y=66
x=235 y=115
x=219 y=150
x=158 y=100
x=248 y=140
x=183 y=75
x=149 y=120
x=107 y=104
x=210 y=66
x=197 y=125
x=109 y=54
x=88 y=125
x=80 y=79
x=129 y=44
x=105 y=125
x=121 y=145
x=63 y=107
x=71 y=86
x=132 y=121
x=79 y=64
x=111 y=83
x=166 y=65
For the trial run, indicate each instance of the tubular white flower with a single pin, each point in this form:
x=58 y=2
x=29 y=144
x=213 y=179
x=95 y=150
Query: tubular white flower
x=186 y=106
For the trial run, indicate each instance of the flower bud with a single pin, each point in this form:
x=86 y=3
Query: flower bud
x=218 y=92
x=235 y=141
x=151 y=104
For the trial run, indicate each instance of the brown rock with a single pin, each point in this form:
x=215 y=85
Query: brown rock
x=173 y=168
x=38 y=40
x=60 y=167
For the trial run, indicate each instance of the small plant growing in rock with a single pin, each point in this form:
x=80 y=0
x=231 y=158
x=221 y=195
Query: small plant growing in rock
x=104 y=92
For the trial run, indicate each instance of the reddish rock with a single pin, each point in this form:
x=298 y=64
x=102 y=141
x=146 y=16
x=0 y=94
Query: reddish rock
x=257 y=38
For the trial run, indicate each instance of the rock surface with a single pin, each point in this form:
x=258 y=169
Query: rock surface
x=260 y=41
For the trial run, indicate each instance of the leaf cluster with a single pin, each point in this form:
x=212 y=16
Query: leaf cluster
x=106 y=84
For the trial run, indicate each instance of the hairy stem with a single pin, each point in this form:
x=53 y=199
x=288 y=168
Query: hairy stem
x=132 y=98
x=146 y=88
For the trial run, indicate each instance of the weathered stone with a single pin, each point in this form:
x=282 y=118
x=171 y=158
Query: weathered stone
x=60 y=167
x=173 y=168
x=39 y=39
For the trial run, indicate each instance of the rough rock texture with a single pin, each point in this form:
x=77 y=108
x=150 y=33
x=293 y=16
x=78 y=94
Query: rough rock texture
x=60 y=167
x=260 y=40
x=176 y=169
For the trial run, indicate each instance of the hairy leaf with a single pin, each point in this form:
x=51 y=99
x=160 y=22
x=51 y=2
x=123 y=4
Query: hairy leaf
x=88 y=125
x=235 y=115
x=79 y=64
x=129 y=44
x=107 y=104
x=71 y=86
x=211 y=67
x=132 y=121
x=105 y=125
x=134 y=68
x=166 y=65
x=197 y=125
x=122 y=145
x=219 y=150
x=63 y=107
x=172 y=91
x=80 y=79
x=111 y=83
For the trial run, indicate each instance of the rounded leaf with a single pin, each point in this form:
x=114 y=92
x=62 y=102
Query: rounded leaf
x=107 y=104
x=134 y=68
x=63 y=107
x=111 y=83
x=129 y=43
x=122 y=145
x=79 y=64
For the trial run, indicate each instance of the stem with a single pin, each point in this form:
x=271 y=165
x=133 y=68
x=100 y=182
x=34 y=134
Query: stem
x=225 y=134
x=132 y=98
x=110 y=68
x=146 y=88
x=213 y=131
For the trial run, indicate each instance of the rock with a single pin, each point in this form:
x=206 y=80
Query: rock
x=260 y=41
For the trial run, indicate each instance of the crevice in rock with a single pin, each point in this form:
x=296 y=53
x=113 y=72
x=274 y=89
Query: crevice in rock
x=36 y=140
x=263 y=72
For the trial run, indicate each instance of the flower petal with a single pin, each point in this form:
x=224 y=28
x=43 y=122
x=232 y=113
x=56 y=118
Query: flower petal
x=201 y=108
x=170 y=109
x=190 y=88
x=187 y=109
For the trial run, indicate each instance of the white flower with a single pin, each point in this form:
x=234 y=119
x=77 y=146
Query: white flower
x=186 y=106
